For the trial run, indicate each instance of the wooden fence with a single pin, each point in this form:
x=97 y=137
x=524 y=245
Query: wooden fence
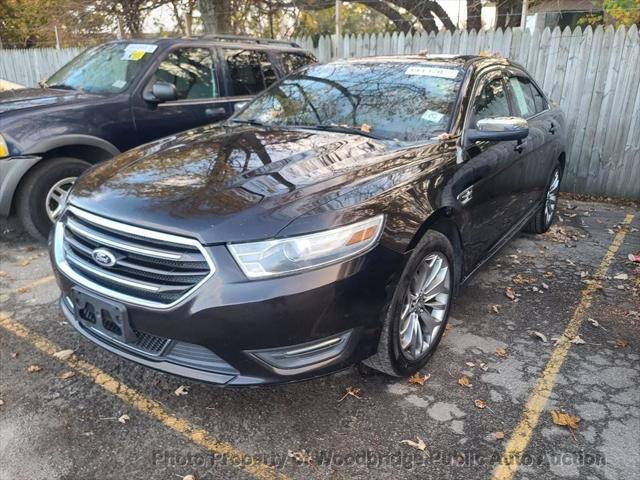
x=593 y=74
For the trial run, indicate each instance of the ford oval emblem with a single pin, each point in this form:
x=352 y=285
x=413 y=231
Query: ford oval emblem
x=103 y=257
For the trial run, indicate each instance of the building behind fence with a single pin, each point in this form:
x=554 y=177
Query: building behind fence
x=593 y=74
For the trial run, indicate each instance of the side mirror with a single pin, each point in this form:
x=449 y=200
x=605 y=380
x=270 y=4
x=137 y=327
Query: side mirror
x=161 y=92
x=499 y=129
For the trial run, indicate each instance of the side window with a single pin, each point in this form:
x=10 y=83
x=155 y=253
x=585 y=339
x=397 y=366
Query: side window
x=523 y=96
x=491 y=102
x=251 y=71
x=192 y=71
x=540 y=101
x=295 y=61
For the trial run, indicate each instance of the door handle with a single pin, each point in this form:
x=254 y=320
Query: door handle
x=215 y=112
x=519 y=147
x=552 y=129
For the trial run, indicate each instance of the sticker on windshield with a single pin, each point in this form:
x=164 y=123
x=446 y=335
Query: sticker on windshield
x=135 y=51
x=432 y=116
x=432 y=72
x=119 y=84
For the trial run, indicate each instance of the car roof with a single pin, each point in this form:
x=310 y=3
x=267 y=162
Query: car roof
x=462 y=61
x=221 y=40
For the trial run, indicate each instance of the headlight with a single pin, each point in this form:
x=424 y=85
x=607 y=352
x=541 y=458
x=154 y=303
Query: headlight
x=4 y=149
x=271 y=258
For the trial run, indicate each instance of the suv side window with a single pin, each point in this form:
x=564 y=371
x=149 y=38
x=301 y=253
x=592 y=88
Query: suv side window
x=538 y=97
x=295 y=61
x=491 y=102
x=192 y=71
x=251 y=71
x=524 y=100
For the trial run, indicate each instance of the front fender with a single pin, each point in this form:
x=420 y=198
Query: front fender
x=12 y=169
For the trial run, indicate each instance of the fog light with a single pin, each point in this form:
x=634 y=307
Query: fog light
x=294 y=359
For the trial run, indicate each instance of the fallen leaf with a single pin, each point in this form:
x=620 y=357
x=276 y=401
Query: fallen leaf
x=510 y=293
x=4 y=274
x=548 y=275
x=484 y=366
x=464 y=381
x=23 y=290
x=351 y=391
x=419 y=445
x=14 y=354
x=63 y=354
x=24 y=263
x=481 y=404
x=621 y=276
x=634 y=257
x=495 y=308
x=124 y=418
x=365 y=128
x=499 y=435
x=545 y=286
x=189 y=477
x=621 y=343
x=594 y=323
x=501 y=352
x=67 y=375
x=566 y=420
x=577 y=340
x=1 y=402
x=182 y=390
x=34 y=368
x=301 y=456
x=539 y=335
x=519 y=279
x=419 y=379
x=470 y=364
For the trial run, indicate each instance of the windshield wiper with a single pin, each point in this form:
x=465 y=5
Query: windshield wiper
x=339 y=129
x=249 y=122
x=62 y=86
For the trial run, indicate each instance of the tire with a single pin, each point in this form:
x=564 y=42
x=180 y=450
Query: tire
x=543 y=219
x=32 y=196
x=391 y=358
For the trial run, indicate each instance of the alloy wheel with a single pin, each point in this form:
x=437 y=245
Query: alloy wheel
x=551 y=202
x=425 y=306
x=56 y=197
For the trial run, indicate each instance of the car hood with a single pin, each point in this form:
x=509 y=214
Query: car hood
x=223 y=183
x=29 y=98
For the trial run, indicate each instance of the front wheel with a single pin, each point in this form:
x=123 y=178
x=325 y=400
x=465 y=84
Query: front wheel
x=418 y=312
x=42 y=194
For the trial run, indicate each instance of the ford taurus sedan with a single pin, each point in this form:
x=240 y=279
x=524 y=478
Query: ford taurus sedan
x=329 y=222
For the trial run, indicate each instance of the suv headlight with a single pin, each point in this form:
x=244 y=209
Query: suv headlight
x=272 y=258
x=4 y=149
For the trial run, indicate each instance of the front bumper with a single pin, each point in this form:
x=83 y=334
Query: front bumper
x=238 y=332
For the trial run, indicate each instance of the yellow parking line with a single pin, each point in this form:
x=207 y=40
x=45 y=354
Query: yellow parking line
x=538 y=398
x=197 y=435
x=35 y=283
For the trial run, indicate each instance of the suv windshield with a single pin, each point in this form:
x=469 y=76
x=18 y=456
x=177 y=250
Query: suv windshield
x=393 y=101
x=107 y=68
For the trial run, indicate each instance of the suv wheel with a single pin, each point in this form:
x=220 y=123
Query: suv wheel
x=417 y=315
x=40 y=197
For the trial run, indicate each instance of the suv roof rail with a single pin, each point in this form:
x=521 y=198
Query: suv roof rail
x=243 y=38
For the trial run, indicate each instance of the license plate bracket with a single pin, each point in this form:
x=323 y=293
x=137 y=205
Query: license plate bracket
x=106 y=316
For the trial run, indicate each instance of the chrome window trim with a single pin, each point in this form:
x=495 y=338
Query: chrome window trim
x=69 y=272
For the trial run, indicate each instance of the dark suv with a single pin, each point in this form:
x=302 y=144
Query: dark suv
x=327 y=223
x=117 y=96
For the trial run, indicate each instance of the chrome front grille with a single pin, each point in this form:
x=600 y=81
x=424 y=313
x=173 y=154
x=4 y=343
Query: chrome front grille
x=151 y=268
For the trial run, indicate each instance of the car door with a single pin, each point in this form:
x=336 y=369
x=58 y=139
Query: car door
x=537 y=156
x=195 y=74
x=247 y=72
x=489 y=181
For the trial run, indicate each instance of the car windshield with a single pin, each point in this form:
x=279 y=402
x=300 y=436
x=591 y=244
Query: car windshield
x=108 y=68
x=392 y=101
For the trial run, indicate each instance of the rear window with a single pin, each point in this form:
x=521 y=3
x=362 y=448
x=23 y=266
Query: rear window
x=295 y=61
x=250 y=71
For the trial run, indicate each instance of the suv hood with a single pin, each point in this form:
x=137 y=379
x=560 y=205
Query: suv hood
x=223 y=183
x=40 y=97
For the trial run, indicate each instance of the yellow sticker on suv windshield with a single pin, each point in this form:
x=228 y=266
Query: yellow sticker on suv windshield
x=136 y=55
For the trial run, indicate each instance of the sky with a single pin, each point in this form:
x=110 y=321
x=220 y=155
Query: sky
x=456 y=9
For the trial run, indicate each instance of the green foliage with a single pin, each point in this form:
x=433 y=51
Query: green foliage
x=356 y=18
